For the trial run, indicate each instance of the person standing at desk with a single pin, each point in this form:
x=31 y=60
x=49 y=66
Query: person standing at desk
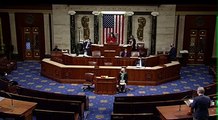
x=56 y=48
x=139 y=62
x=172 y=53
x=132 y=42
x=87 y=47
x=122 y=80
x=200 y=105
x=111 y=39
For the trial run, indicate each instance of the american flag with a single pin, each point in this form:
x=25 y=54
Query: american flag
x=113 y=23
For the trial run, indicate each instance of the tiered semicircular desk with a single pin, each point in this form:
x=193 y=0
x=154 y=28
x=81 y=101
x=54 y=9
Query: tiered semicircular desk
x=69 y=68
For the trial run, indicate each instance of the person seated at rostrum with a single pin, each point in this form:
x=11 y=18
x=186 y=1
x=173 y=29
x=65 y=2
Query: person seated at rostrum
x=87 y=47
x=56 y=48
x=125 y=53
x=122 y=80
x=111 y=39
x=140 y=62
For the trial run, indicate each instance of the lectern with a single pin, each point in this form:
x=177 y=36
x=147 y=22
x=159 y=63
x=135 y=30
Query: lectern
x=111 y=50
x=105 y=85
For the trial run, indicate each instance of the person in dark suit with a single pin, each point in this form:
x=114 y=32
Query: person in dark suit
x=172 y=53
x=140 y=62
x=87 y=47
x=125 y=53
x=200 y=105
x=122 y=80
x=132 y=42
x=56 y=48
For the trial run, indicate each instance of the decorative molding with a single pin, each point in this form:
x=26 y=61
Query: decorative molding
x=111 y=8
x=96 y=12
x=142 y=13
x=71 y=12
x=83 y=12
x=129 y=13
x=154 y=13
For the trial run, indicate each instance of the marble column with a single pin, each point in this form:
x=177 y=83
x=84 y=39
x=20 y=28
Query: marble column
x=96 y=26
x=153 y=32
x=72 y=32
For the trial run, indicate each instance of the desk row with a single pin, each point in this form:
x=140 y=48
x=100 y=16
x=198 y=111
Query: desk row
x=136 y=76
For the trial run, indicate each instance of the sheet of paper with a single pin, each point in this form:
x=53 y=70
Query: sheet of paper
x=1 y=98
x=188 y=102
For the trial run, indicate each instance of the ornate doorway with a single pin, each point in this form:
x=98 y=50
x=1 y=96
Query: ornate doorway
x=197 y=46
x=30 y=36
x=199 y=38
x=31 y=42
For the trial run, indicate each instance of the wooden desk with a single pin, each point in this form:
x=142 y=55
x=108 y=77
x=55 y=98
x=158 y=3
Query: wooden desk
x=105 y=85
x=105 y=49
x=137 y=76
x=20 y=108
x=173 y=113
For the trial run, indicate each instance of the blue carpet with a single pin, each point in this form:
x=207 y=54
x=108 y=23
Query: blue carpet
x=101 y=106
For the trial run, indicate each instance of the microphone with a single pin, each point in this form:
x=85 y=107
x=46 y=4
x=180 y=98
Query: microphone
x=9 y=95
x=182 y=99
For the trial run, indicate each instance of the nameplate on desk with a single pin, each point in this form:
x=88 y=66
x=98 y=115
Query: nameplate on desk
x=105 y=77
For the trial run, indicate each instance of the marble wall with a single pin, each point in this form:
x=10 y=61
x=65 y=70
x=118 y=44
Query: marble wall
x=165 y=23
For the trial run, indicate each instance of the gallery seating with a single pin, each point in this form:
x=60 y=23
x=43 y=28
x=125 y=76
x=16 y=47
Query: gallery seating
x=55 y=115
x=49 y=104
x=147 y=104
x=48 y=95
x=150 y=98
x=142 y=107
x=7 y=65
x=89 y=81
x=4 y=85
x=210 y=89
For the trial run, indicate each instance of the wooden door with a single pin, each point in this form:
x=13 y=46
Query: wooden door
x=198 y=38
x=31 y=42
x=30 y=36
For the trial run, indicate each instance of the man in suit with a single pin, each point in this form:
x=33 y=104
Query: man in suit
x=125 y=53
x=132 y=42
x=56 y=48
x=122 y=80
x=139 y=62
x=200 y=105
x=87 y=47
x=172 y=53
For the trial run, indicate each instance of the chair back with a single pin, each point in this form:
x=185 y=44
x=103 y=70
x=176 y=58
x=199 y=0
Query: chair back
x=160 y=52
x=89 y=77
x=96 y=53
x=134 y=54
x=140 y=46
